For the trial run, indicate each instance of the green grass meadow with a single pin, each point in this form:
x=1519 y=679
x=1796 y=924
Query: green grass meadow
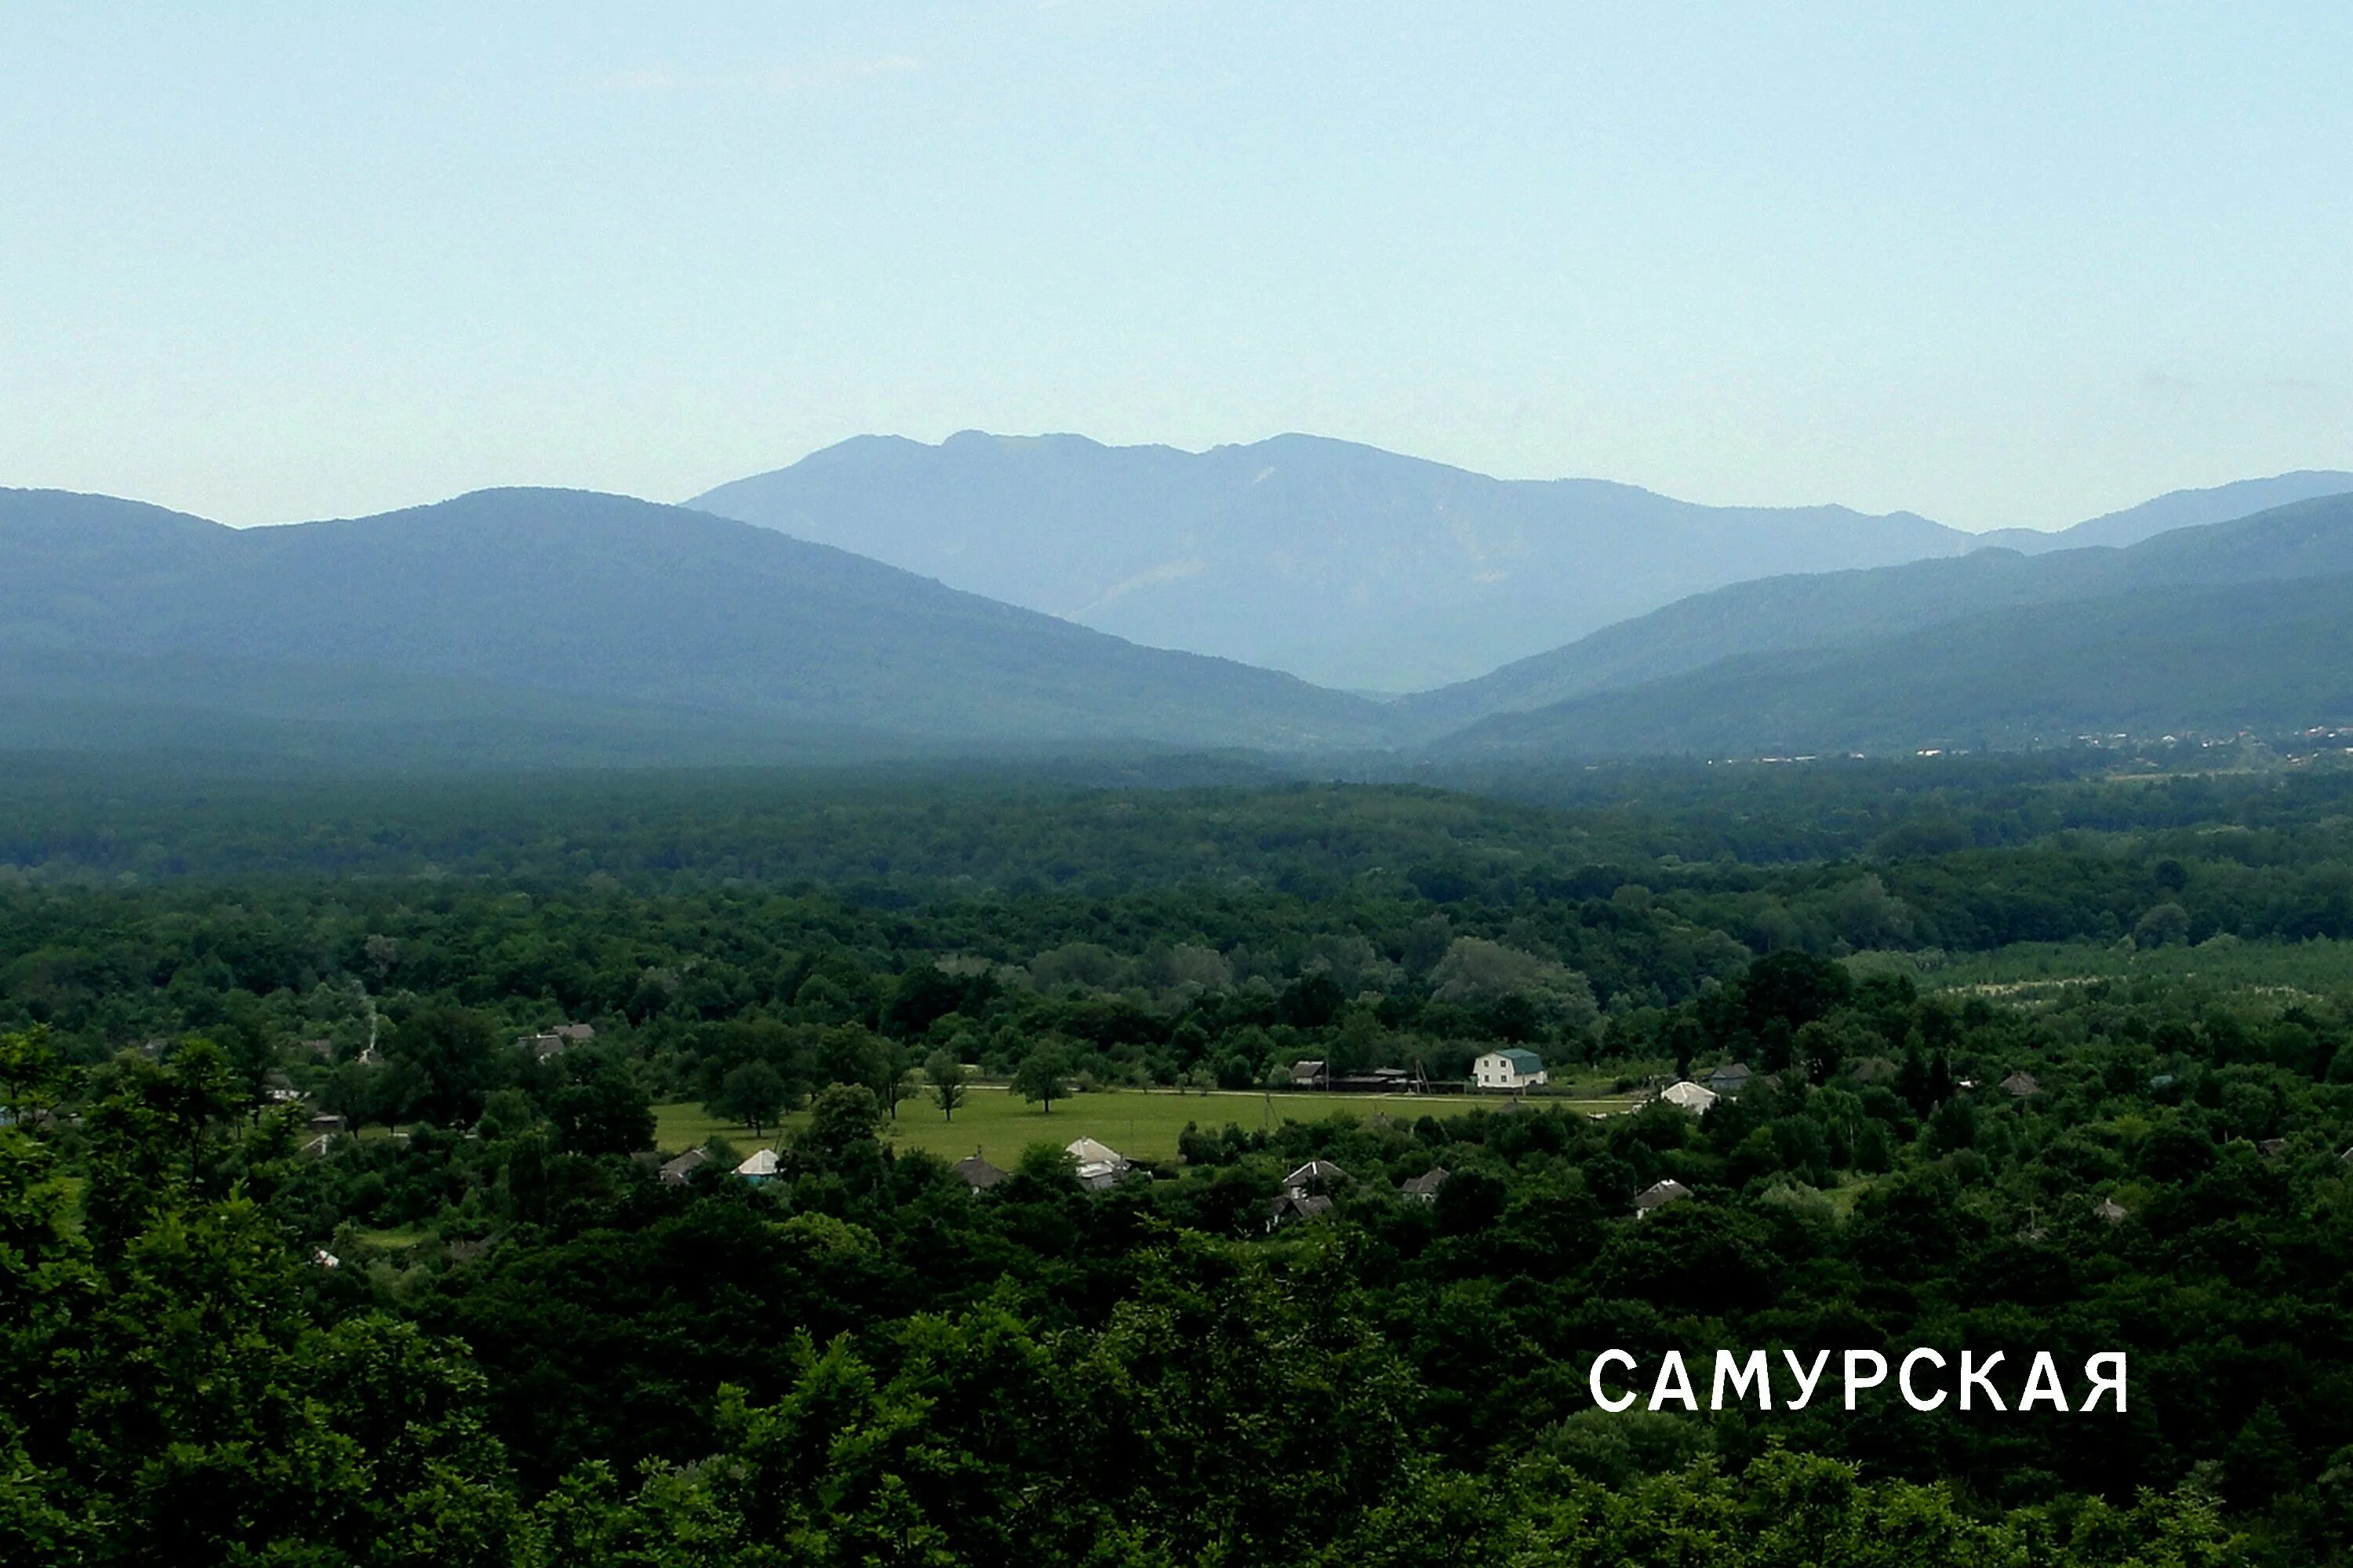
x=1141 y=1124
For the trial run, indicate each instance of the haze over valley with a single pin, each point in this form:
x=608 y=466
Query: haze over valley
x=1342 y=564
x=546 y=626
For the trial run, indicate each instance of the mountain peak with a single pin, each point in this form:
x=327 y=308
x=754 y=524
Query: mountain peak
x=1338 y=562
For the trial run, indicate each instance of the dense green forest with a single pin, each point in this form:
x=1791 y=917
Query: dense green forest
x=2048 y=1058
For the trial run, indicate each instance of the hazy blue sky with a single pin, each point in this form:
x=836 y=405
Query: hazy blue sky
x=1995 y=264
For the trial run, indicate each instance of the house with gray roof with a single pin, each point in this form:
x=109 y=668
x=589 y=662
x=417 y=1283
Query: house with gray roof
x=1659 y=1195
x=978 y=1174
x=1423 y=1189
x=1730 y=1078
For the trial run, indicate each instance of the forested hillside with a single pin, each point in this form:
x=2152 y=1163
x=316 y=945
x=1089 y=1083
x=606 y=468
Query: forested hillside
x=1784 y=627
x=473 y=1324
x=548 y=627
x=2270 y=659
x=536 y=629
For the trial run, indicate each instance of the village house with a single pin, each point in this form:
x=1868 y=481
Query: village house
x=1293 y=1206
x=674 y=1172
x=1100 y=1165
x=1658 y=1196
x=1306 y=1194
x=1730 y=1078
x=1509 y=1069
x=760 y=1167
x=1307 y=1075
x=1423 y=1189
x=556 y=1042
x=1316 y=1176
x=978 y=1174
x=2021 y=1086
x=1688 y=1095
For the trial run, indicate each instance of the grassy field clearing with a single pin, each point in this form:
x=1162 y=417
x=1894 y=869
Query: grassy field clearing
x=1140 y=1123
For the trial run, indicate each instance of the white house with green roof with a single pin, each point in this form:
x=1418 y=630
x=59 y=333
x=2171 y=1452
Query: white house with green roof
x=1513 y=1069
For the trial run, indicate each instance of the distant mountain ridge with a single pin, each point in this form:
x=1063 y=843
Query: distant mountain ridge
x=2228 y=624
x=2267 y=656
x=588 y=607
x=1342 y=564
x=1829 y=610
x=532 y=628
x=2179 y=509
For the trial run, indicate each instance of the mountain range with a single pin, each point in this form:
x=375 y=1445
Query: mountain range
x=1800 y=614
x=1341 y=564
x=614 y=622
x=2230 y=625
x=555 y=627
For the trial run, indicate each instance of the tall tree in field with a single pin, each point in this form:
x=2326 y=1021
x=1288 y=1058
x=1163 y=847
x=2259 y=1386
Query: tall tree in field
x=1043 y=1076
x=754 y=1094
x=945 y=1074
